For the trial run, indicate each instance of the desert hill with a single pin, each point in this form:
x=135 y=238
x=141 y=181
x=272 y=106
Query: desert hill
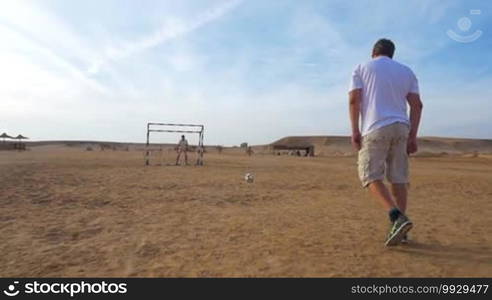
x=340 y=145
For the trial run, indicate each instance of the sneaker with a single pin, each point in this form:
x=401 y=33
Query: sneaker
x=399 y=230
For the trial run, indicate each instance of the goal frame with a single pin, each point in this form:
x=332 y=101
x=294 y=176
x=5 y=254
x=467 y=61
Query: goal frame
x=154 y=127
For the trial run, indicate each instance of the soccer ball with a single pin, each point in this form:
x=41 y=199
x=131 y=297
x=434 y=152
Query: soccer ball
x=249 y=178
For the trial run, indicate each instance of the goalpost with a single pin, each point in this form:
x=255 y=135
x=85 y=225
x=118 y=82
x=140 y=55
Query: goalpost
x=169 y=128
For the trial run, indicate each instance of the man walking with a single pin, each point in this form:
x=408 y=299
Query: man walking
x=379 y=92
x=182 y=148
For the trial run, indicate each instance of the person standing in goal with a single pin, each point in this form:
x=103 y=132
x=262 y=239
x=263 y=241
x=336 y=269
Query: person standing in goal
x=379 y=92
x=182 y=148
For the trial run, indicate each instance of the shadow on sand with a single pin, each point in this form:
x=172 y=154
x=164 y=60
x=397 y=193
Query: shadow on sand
x=473 y=254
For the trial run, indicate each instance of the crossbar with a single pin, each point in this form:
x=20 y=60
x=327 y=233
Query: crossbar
x=183 y=131
x=168 y=124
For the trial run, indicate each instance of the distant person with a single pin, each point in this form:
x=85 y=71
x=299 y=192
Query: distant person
x=249 y=151
x=182 y=149
x=379 y=92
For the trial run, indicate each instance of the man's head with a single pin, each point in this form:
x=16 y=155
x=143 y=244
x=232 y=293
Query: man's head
x=383 y=47
x=183 y=137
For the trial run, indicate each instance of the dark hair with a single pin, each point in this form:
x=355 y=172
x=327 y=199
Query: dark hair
x=183 y=136
x=384 y=47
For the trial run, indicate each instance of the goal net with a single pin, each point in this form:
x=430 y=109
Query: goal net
x=162 y=152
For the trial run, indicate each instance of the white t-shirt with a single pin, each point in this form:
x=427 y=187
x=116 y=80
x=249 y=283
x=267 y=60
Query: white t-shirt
x=385 y=85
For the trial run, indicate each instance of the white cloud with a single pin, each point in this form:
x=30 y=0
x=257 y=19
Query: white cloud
x=36 y=33
x=171 y=29
x=42 y=72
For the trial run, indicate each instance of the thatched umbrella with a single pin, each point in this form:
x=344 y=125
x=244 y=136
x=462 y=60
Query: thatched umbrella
x=5 y=136
x=21 y=137
x=21 y=146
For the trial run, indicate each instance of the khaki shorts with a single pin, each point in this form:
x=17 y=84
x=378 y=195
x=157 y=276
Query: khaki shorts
x=384 y=152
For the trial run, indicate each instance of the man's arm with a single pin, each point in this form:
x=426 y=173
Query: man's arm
x=355 y=97
x=416 y=107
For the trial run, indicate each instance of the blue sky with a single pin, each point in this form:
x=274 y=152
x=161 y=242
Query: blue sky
x=248 y=70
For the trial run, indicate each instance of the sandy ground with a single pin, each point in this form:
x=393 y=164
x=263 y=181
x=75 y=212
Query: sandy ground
x=77 y=213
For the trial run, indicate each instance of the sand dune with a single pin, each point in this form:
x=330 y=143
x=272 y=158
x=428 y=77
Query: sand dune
x=428 y=146
x=66 y=212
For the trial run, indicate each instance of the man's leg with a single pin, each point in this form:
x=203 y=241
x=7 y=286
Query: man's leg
x=397 y=169
x=373 y=158
x=400 y=224
x=397 y=174
x=399 y=191
x=177 y=158
x=379 y=189
x=186 y=157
